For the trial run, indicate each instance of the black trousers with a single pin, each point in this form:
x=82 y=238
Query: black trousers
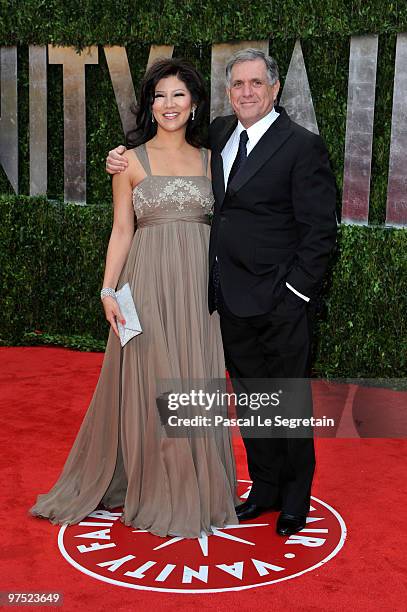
x=273 y=345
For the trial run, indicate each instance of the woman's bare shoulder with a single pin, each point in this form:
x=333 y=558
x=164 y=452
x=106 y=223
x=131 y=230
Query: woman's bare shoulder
x=131 y=154
x=135 y=167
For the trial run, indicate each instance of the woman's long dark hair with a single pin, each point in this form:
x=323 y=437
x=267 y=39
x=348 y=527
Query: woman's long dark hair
x=145 y=129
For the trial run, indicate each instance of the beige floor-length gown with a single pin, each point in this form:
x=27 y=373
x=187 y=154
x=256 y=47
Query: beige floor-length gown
x=122 y=455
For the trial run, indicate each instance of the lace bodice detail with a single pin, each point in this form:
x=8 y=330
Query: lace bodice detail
x=173 y=195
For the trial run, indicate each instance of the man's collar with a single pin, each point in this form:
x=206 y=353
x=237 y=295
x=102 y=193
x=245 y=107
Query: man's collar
x=256 y=130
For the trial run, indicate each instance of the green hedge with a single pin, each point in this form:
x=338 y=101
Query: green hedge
x=51 y=267
x=323 y=26
x=363 y=330
x=327 y=65
x=52 y=254
x=51 y=270
x=194 y=21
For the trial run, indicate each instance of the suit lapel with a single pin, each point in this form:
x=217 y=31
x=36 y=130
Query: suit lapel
x=218 y=179
x=268 y=145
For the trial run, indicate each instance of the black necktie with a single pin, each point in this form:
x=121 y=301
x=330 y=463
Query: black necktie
x=241 y=155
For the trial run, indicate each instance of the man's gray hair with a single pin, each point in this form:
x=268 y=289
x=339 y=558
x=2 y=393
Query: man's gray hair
x=249 y=55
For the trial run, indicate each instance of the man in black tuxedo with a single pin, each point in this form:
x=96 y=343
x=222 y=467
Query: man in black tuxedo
x=273 y=230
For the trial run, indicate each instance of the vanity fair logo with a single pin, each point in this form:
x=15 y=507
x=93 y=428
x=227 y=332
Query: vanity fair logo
x=234 y=558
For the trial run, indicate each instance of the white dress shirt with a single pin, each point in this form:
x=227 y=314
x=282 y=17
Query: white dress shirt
x=229 y=152
x=254 y=133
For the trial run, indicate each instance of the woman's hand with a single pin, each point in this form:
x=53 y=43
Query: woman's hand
x=112 y=313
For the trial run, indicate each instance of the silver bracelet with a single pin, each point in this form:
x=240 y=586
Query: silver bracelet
x=107 y=292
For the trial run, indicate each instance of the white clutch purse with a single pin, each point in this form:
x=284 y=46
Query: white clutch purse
x=132 y=326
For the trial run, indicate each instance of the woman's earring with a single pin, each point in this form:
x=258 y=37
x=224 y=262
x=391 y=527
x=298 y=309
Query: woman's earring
x=152 y=118
x=193 y=113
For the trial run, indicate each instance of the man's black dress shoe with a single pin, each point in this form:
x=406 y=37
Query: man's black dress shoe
x=249 y=510
x=287 y=524
x=242 y=507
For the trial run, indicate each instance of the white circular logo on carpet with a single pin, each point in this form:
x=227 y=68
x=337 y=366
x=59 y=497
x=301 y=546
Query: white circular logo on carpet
x=234 y=558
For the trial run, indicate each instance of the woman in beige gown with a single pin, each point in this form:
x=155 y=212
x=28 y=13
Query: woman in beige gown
x=122 y=455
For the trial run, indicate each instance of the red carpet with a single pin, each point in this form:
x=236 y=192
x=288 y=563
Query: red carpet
x=44 y=394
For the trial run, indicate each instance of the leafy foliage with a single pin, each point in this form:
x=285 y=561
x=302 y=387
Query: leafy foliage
x=51 y=270
x=52 y=254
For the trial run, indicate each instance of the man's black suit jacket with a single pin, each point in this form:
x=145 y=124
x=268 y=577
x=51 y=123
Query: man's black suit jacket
x=277 y=221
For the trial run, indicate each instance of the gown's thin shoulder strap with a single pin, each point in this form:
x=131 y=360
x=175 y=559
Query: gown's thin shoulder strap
x=205 y=157
x=141 y=154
